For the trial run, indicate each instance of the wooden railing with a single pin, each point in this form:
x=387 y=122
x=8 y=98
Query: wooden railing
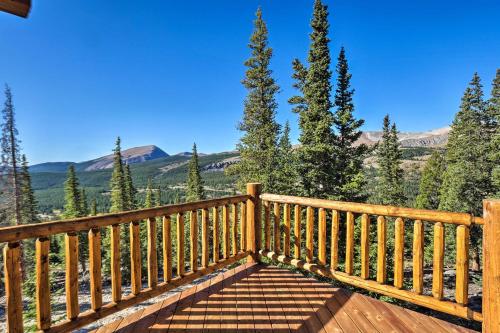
x=280 y=211
x=279 y=238
x=224 y=216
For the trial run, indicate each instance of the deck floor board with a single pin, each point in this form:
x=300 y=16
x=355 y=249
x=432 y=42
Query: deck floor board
x=260 y=298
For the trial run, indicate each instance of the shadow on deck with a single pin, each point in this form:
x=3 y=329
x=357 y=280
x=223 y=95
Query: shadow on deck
x=260 y=298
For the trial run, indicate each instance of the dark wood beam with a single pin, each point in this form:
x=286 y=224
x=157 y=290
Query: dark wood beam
x=16 y=7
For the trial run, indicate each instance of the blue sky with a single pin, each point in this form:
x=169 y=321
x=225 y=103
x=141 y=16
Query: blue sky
x=169 y=72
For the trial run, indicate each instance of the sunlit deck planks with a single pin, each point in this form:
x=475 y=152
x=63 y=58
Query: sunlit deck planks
x=260 y=298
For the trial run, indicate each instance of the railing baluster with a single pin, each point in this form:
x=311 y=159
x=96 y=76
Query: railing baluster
x=152 y=256
x=204 y=238
x=135 y=257
x=13 y=293
x=381 y=249
x=234 y=229
x=418 y=257
x=322 y=237
x=437 y=274
x=95 y=268
x=286 y=223
x=277 y=231
x=225 y=231
x=309 y=234
x=43 y=319
x=193 y=240
x=462 y=278
x=267 y=224
x=365 y=246
x=334 y=247
x=180 y=244
x=298 y=237
x=116 y=275
x=349 y=252
x=243 y=227
x=167 y=249
x=399 y=231
x=215 y=217
x=71 y=258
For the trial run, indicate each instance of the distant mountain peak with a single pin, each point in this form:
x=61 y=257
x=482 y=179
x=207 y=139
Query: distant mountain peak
x=129 y=156
x=433 y=138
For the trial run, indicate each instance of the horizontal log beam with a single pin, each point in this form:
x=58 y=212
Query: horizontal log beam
x=362 y=208
x=90 y=316
x=405 y=295
x=45 y=229
x=17 y=7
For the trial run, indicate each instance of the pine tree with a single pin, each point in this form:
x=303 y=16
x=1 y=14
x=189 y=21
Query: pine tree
x=72 y=195
x=467 y=179
x=84 y=205
x=287 y=178
x=390 y=174
x=130 y=190
x=431 y=182
x=194 y=189
x=316 y=154
x=495 y=143
x=257 y=146
x=117 y=183
x=29 y=203
x=150 y=200
x=93 y=207
x=349 y=175
x=9 y=170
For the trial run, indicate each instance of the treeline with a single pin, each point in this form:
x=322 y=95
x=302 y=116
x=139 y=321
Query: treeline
x=328 y=164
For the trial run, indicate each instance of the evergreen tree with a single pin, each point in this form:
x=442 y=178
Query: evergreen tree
x=72 y=195
x=194 y=189
x=84 y=205
x=29 y=203
x=150 y=200
x=117 y=183
x=93 y=207
x=495 y=144
x=390 y=174
x=316 y=154
x=467 y=179
x=130 y=190
x=257 y=146
x=287 y=178
x=349 y=175
x=431 y=181
x=9 y=170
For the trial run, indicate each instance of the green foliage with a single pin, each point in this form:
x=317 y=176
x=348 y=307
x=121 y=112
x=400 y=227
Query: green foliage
x=129 y=189
x=287 y=178
x=432 y=179
x=389 y=190
x=117 y=183
x=28 y=203
x=72 y=195
x=194 y=191
x=257 y=146
x=495 y=143
x=316 y=153
x=349 y=175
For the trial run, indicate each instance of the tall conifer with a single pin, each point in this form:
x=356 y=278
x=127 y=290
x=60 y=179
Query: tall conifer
x=130 y=190
x=29 y=203
x=316 y=154
x=495 y=144
x=431 y=181
x=72 y=195
x=117 y=183
x=349 y=175
x=287 y=178
x=257 y=146
x=194 y=189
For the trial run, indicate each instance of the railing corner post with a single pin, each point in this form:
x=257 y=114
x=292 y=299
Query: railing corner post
x=254 y=230
x=491 y=266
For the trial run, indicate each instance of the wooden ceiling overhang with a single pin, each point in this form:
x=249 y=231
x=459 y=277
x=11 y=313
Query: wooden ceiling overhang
x=16 y=7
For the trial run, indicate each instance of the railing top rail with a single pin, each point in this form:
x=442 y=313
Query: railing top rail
x=363 y=208
x=45 y=229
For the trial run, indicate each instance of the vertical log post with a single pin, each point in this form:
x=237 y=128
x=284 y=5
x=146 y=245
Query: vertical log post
x=152 y=256
x=491 y=269
x=438 y=261
x=418 y=257
x=309 y=234
x=381 y=249
x=267 y=225
x=204 y=238
x=116 y=275
x=349 y=251
x=71 y=284
x=234 y=229
x=180 y=244
x=254 y=216
x=334 y=250
x=399 y=231
x=14 y=302
x=167 y=249
x=42 y=284
x=298 y=239
x=365 y=246
x=286 y=223
x=322 y=237
x=135 y=258
x=193 y=240
x=226 y=247
x=95 y=268
x=215 y=217
x=243 y=226
x=277 y=231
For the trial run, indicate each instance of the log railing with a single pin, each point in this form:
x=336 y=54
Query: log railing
x=279 y=229
x=226 y=247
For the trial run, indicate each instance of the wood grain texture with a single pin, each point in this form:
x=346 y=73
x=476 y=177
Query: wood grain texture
x=135 y=258
x=491 y=269
x=193 y=240
x=226 y=246
x=438 y=261
x=418 y=257
x=309 y=234
x=71 y=282
x=43 y=318
x=349 y=251
x=167 y=248
x=462 y=272
x=399 y=234
x=254 y=221
x=180 y=244
x=322 y=236
x=243 y=227
x=13 y=293
x=365 y=246
x=381 y=249
x=234 y=229
x=205 y=248
x=334 y=248
x=152 y=254
x=277 y=230
x=297 y=227
x=116 y=275
x=215 y=236
x=286 y=226
x=95 y=268
x=267 y=225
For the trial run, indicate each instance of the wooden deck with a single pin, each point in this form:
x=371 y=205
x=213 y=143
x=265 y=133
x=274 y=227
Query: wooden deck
x=260 y=298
